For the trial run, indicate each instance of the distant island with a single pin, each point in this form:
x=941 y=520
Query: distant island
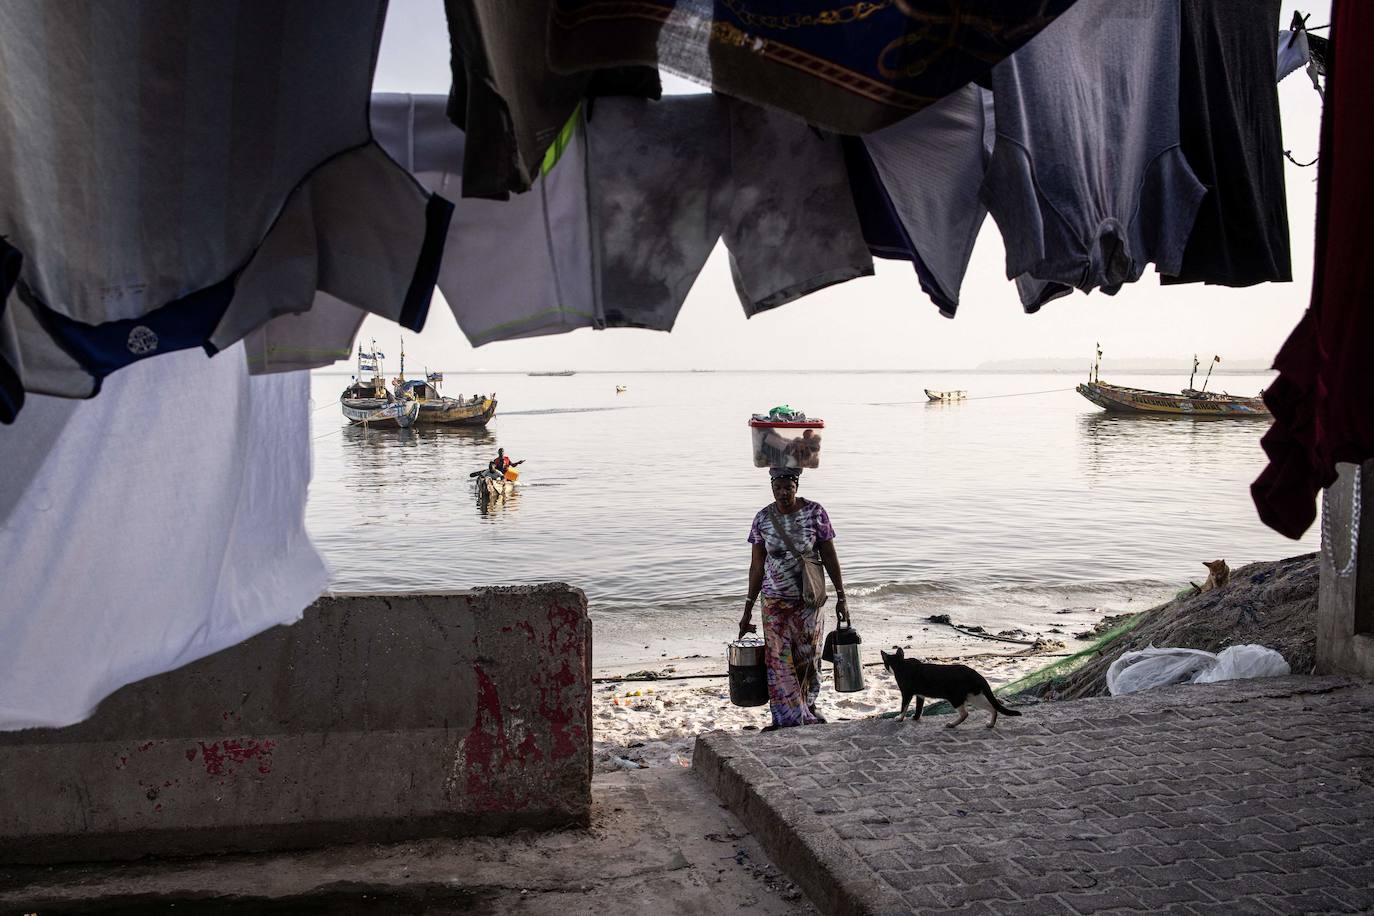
x=1127 y=366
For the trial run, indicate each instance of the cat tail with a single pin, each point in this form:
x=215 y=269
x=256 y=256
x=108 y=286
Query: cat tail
x=997 y=704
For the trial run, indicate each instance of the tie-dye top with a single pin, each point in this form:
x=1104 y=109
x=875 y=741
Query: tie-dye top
x=781 y=568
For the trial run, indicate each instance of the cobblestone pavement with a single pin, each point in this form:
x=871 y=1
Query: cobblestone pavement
x=1248 y=797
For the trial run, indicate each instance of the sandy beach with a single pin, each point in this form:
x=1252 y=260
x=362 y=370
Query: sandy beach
x=654 y=722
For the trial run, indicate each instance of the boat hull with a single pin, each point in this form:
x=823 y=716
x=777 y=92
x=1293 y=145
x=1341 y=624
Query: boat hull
x=490 y=489
x=380 y=414
x=945 y=395
x=1118 y=399
x=452 y=412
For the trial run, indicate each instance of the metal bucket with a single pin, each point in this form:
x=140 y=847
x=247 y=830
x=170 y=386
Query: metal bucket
x=748 y=674
x=848 y=669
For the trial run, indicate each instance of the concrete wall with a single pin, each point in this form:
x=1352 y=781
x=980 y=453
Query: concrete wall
x=375 y=718
x=1345 y=599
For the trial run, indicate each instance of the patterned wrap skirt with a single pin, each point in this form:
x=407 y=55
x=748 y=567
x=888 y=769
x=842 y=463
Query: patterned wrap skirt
x=792 y=646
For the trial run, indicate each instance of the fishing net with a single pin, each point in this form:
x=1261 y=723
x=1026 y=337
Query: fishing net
x=1038 y=682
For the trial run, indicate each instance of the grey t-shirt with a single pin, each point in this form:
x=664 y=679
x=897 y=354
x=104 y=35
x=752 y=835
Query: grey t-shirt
x=1087 y=181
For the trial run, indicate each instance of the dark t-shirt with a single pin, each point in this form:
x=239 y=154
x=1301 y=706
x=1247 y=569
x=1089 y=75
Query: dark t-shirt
x=1229 y=131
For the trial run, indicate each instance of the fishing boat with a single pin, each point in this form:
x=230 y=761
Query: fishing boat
x=395 y=414
x=1191 y=402
x=437 y=409
x=946 y=395
x=366 y=401
x=619 y=389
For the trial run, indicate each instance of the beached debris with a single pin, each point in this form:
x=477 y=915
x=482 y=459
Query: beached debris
x=1271 y=604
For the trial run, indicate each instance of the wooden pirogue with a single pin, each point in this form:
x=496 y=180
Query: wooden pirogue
x=946 y=395
x=368 y=402
x=1189 y=402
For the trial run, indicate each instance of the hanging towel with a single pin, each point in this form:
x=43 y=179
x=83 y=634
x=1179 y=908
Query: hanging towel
x=1087 y=182
x=154 y=525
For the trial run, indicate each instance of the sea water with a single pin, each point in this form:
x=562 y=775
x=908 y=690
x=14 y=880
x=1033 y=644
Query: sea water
x=1021 y=501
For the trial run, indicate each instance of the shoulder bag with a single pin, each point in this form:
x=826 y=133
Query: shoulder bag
x=812 y=572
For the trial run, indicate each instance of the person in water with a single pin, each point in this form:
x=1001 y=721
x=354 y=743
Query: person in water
x=503 y=461
x=791 y=630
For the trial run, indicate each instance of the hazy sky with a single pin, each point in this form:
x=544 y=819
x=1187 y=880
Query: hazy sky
x=885 y=322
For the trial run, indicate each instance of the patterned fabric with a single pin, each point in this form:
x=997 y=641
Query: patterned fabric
x=849 y=67
x=791 y=642
x=782 y=569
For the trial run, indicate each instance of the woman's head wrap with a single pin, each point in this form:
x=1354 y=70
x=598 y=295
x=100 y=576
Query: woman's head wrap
x=774 y=473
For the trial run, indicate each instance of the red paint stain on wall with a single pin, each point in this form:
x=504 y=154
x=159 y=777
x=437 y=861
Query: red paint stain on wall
x=486 y=750
x=223 y=758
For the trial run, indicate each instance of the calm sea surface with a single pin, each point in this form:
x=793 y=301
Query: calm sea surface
x=1024 y=496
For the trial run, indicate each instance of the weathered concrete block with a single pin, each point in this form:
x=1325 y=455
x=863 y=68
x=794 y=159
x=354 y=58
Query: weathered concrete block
x=374 y=718
x=1345 y=598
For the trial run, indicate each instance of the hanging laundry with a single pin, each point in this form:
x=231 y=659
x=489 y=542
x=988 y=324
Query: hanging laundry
x=1299 y=48
x=505 y=97
x=176 y=177
x=654 y=172
x=515 y=268
x=668 y=178
x=1321 y=398
x=11 y=389
x=882 y=229
x=790 y=224
x=848 y=67
x=1230 y=133
x=307 y=340
x=615 y=233
x=1087 y=182
x=932 y=166
x=159 y=523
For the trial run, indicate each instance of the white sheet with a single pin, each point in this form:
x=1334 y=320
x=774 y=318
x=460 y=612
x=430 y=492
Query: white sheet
x=165 y=523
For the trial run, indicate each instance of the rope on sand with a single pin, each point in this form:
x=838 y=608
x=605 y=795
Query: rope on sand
x=968 y=632
x=981 y=397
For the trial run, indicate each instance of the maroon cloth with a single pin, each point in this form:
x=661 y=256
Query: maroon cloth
x=1323 y=399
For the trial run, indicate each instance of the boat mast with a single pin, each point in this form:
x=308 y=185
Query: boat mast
x=1097 y=365
x=1215 y=359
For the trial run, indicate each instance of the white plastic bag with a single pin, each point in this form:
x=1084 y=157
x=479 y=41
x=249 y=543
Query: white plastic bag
x=1149 y=668
x=1238 y=662
x=1158 y=667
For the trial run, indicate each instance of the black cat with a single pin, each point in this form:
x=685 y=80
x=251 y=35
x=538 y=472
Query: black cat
x=959 y=684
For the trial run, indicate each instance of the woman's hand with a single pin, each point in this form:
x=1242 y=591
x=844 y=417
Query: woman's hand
x=745 y=626
x=842 y=610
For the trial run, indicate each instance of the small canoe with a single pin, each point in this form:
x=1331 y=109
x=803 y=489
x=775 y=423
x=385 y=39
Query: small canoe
x=1187 y=403
x=490 y=489
x=380 y=412
x=619 y=389
x=946 y=395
